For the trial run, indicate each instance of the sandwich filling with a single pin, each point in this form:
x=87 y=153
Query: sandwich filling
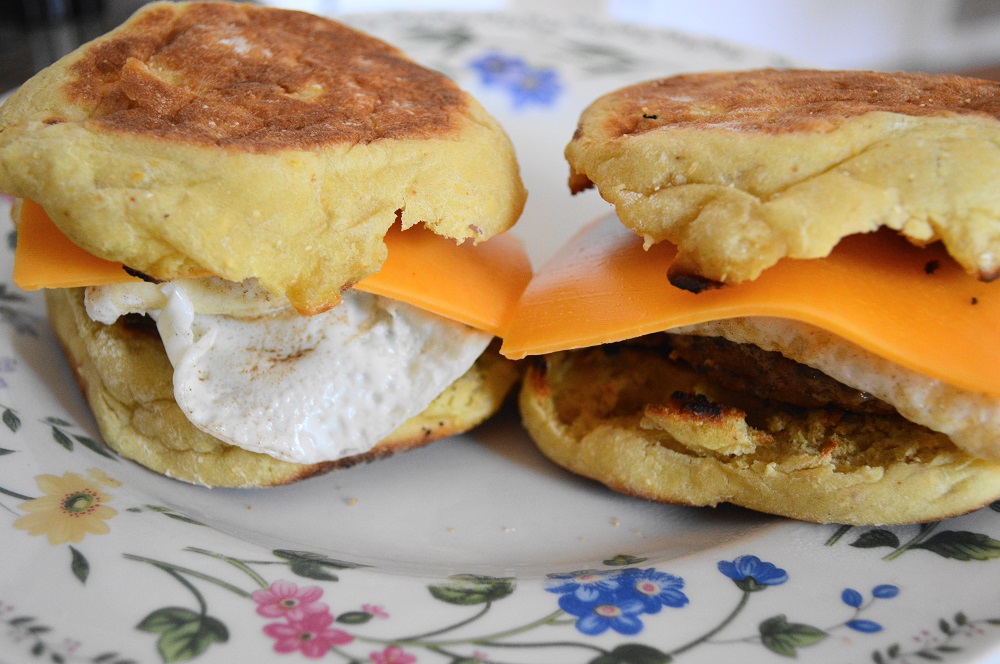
x=970 y=419
x=253 y=373
x=903 y=324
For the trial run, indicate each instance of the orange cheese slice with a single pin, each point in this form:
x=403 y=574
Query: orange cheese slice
x=45 y=258
x=478 y=285
x=912 y=306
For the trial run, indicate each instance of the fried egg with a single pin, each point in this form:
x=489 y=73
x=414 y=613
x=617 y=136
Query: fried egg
x=971 y=420
x=304 y=389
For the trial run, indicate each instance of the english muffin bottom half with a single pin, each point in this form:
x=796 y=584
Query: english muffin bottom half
x=690 y=354
x=126 y=377
x=273 y=245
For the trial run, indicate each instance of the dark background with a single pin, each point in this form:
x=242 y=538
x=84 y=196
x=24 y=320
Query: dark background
x=35 y=33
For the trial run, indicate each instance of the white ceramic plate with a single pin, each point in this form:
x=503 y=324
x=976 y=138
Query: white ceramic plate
x=474 y=549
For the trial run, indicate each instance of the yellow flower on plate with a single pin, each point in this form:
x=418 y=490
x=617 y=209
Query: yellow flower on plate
x=73 y=505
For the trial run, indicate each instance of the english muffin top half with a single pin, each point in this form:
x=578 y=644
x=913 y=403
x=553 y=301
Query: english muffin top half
x=741 y=169
x=253 y=142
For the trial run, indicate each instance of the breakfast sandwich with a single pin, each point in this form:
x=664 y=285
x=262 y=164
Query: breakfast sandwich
x=790 y=310
x=262 y=236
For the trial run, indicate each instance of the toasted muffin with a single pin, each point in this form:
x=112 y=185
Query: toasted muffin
x=790 y=310
x=227 y=138
x=648 y=420
x=859 y=388
x=219 y=177
x=125 y=376
x=741 y=169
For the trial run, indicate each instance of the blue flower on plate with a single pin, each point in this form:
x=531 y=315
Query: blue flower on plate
x=851 y=597
x=750 y=573
x=885 y=591
x=653 y=588
x=855 y=599
x=864 y=626
x=536 y=86
x=496 y=68
x=605 y=611
x=586 y=585
x=525 y=84
x=603 y=600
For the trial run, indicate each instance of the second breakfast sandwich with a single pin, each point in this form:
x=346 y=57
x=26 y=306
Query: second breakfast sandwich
x=259 y=230
x=794 y=313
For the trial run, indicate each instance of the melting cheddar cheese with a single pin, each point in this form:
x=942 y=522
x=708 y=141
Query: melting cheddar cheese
x=912 y=306
x=474 y=284
x=45 y=258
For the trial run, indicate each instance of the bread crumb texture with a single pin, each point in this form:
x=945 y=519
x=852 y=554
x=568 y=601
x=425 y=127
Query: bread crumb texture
x=741 y=169
x=247 y=142
x=126 y=378
x=633 y=418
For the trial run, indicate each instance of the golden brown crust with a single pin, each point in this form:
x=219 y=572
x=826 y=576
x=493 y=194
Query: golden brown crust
x=629 y=418
x=248 y=78
x=779 y=101
x=741 y=169
x=126 y=378
x=252 y=142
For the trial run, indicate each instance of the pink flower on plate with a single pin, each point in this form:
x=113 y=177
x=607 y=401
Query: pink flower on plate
x=392 y=655
x=375 y=610
x=284 y=599
x=311 y=635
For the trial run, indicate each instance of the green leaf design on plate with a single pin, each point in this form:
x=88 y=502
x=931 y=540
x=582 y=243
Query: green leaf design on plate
x=166 y=619
x=168 y=511
x=451 y=38
x=312 y=565
x=469 y=589
x=60 y=437
x=354 y=617
x=111 y=658
x=184 y=634
x=289 y=554
x=962 y=545
x=624 y=560
x=14 y=494
x=95 y=446
x=79 y=565
x=183 y=518
x=633 y=653
x=11 y=419
x=782 y=637
x=6 y=295
x=876 y=538
x=596 y=58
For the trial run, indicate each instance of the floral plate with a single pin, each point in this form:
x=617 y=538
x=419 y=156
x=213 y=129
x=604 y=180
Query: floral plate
x=474 y=549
